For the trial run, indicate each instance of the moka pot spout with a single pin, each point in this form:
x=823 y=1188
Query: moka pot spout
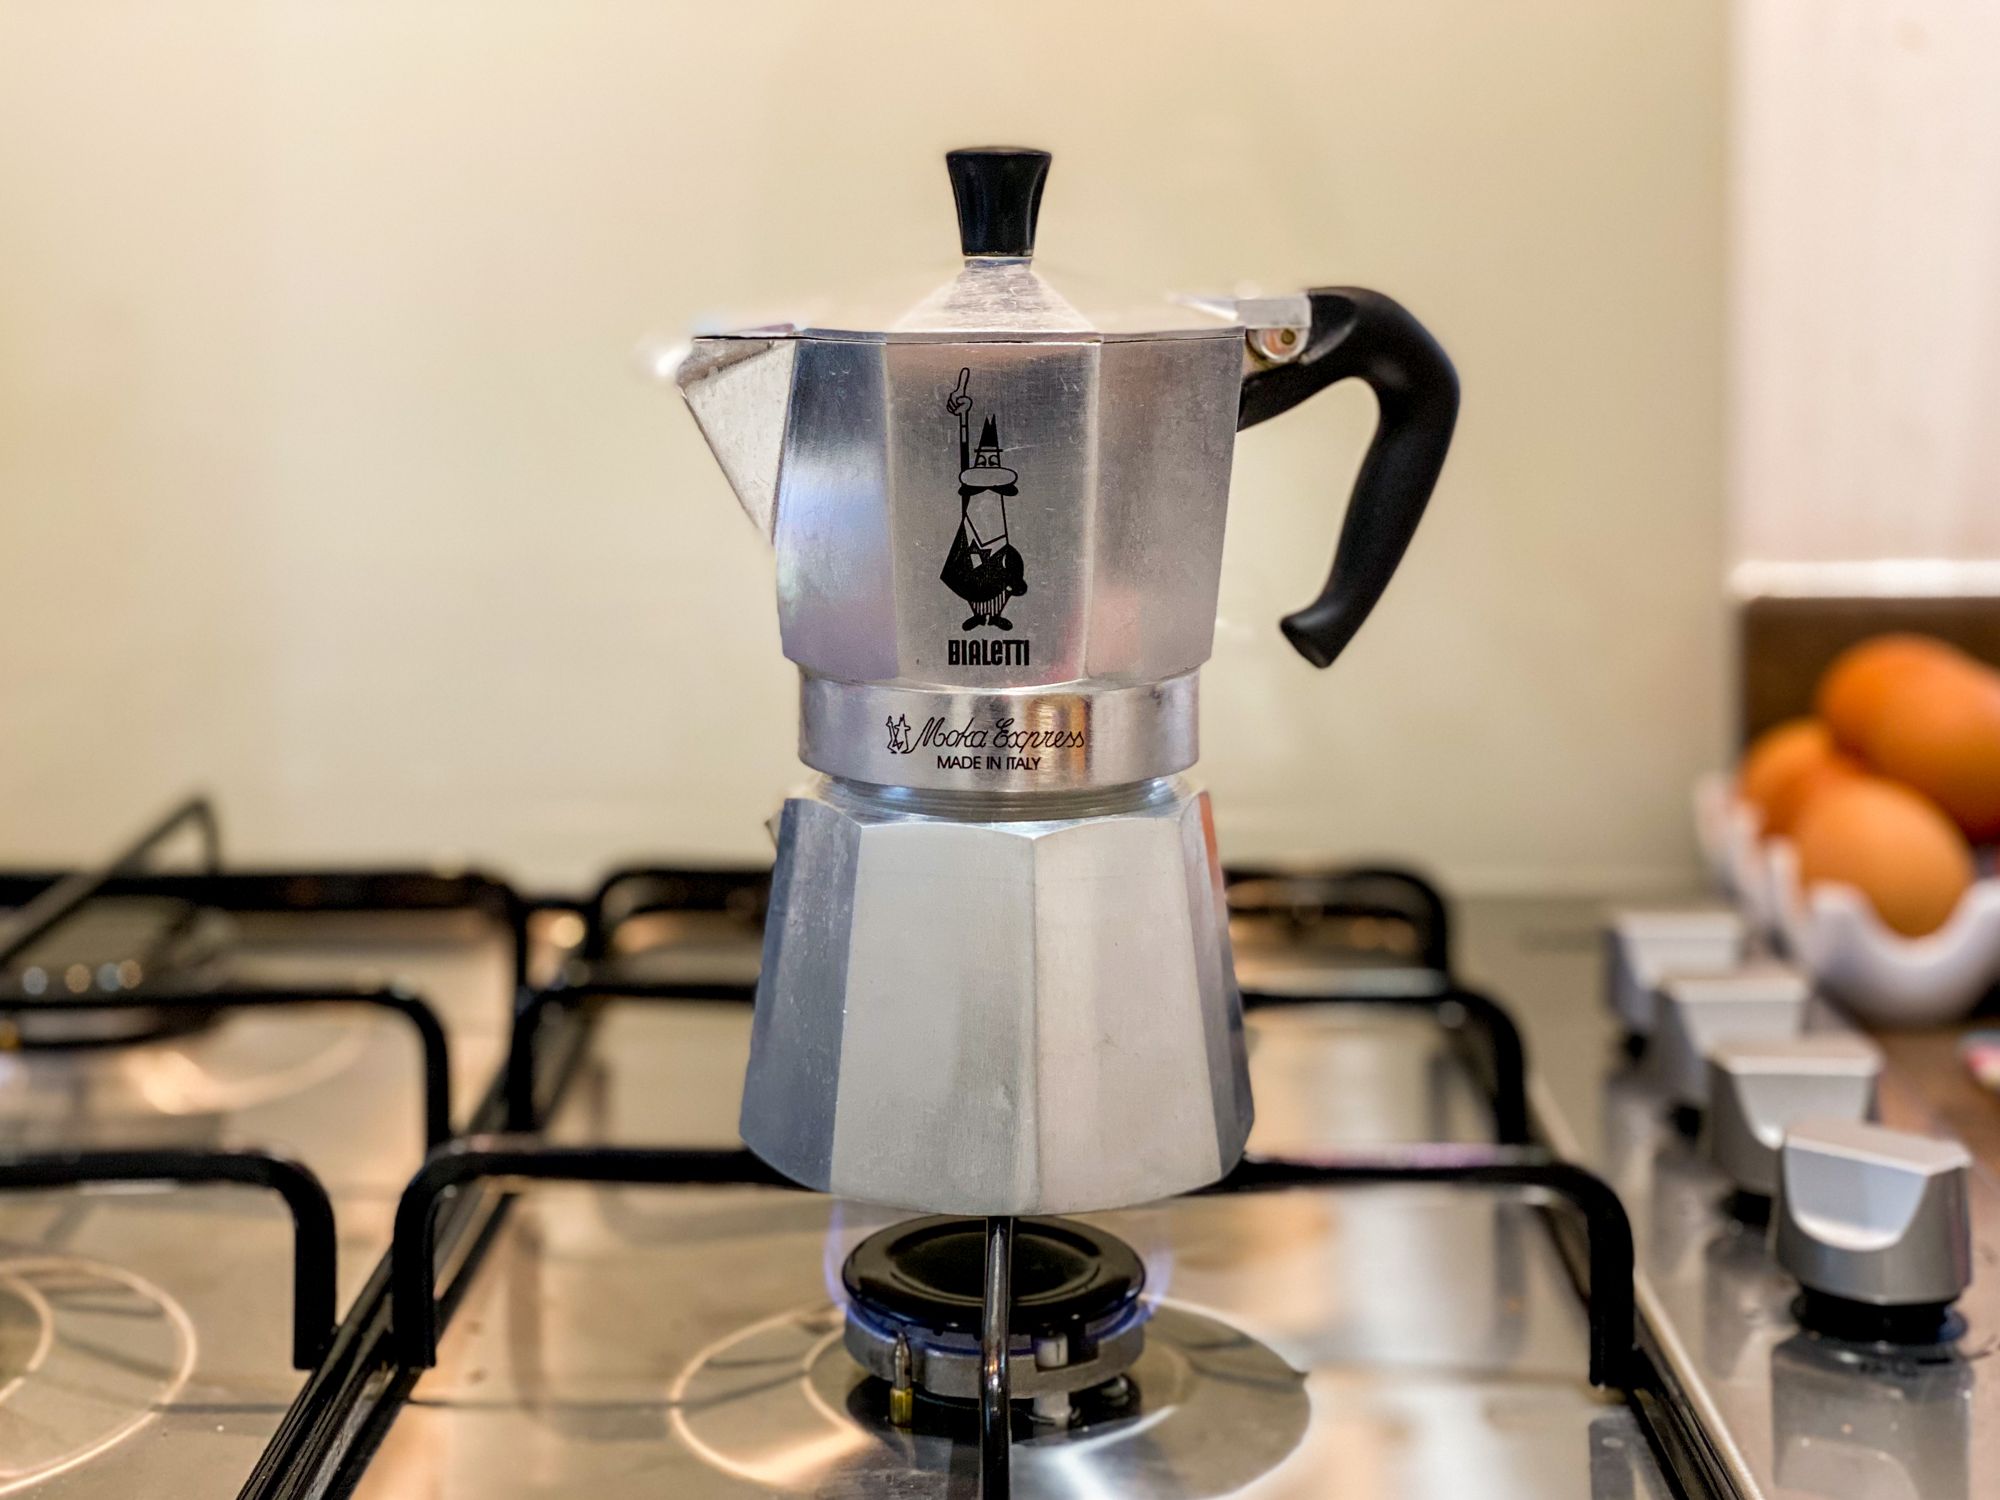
x=739 y=390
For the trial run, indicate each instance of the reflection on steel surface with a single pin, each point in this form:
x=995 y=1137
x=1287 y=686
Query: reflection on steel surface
x=1856 y=1423
x=780 y=1404
x=89 y=1354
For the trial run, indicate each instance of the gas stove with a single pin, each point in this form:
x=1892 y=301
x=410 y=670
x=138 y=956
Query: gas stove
x=402 y=1183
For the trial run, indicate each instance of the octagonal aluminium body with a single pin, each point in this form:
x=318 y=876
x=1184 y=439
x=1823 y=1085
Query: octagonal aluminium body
x=997 y=1018
x=1110 y=463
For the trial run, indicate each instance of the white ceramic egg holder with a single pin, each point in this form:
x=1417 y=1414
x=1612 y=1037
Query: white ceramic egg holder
x=1878 y=975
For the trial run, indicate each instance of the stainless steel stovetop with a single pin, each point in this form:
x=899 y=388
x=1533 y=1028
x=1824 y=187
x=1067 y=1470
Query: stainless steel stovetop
x=630 y=1342
x=1783 y=1413
x=615 y=1338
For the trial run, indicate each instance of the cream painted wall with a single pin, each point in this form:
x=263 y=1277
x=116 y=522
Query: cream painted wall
x=328 y=482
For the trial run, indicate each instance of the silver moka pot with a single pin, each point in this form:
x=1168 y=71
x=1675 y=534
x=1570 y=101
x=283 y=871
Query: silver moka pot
x=996 y=973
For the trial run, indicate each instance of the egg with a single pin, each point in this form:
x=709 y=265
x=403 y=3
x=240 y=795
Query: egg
x=1789 y=802
x=1779 y=757
x=1939 y=731
x=1893 y=844
x=1850 y=696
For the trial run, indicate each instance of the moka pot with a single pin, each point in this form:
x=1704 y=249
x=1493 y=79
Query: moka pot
x=996 y=974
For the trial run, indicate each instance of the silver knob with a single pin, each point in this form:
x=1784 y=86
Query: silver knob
x=1643 y=946
x=1756 y=1089
x=1699 y=1012
x=1870 y=1216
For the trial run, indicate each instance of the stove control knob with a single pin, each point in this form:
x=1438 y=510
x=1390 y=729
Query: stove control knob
x=1699 y=1012
x=1757 y=1089
x=1876 y=1225
x=1642 y=946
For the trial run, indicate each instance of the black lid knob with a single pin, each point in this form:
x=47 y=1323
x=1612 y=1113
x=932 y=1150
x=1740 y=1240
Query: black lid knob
x=999 y=193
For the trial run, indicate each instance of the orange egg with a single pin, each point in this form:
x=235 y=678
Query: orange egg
x=1778 y=757
x=1851 y=693
x=1939 y=730
x=1789 y=802
x=1891 y=843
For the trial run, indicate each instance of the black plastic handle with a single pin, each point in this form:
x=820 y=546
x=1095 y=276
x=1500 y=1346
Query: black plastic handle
x=1356 y=332
x=999 y=195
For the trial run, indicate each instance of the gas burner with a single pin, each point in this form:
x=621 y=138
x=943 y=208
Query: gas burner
x=1206 y=1411
x=914 y=1301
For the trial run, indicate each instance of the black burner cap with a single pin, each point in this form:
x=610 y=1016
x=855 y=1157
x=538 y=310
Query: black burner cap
x=930 y=1272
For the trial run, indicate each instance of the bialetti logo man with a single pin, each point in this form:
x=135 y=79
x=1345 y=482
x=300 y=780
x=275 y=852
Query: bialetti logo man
x=983 y=568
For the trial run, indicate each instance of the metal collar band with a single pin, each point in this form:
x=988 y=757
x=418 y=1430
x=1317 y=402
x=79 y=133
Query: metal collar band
x=1019 y=740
